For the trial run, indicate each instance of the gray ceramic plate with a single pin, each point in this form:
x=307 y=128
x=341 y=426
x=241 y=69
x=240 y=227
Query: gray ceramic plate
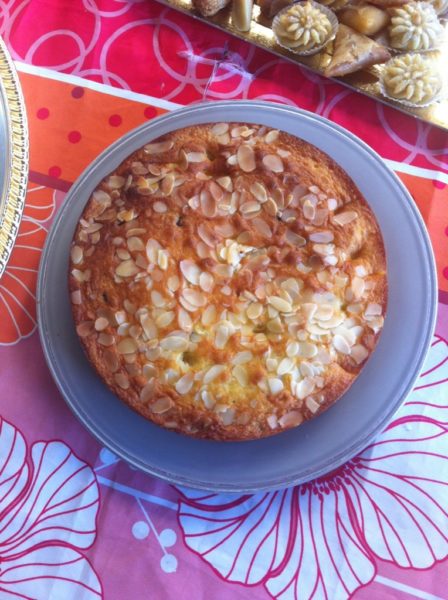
x=314 y=448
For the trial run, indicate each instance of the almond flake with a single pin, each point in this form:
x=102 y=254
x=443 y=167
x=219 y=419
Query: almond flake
x=226 y=183
x=165 y=319
x=85 y=328
x=358 y=287
x=220 y=128
x=127 y=268
x=194 y=297
x=157 y=299
x=273 y=163
x=190 y=271
x=254 y=310
x=373 y=310
x=122 y=381
x=208 y=204
x=173 y=283
x=271 y=136
x=293 y=418
x=76 y=297
x=76 y=255
x=275 y=385
x=184 y=320
x=209 y=316
x=157 y=147
x=279 y=303
x=175 y=343
x=160 y=207
x=359 y=353
x=161 y=405
x=286 y=365
x=321 y=237
x=250 y=207
x=272 y=421
x=101 y=323
x=292 y=349
x=246 y=158
x=196 y=157
x=206 y=282
x=135 y=244
x=243 y=357
x=304 y=388
x=294 y=238
x=259 y=191
x=341 y=344
x=115 y=182
x=307 y=349
x=312 y=405
x=213 y=373
x=240 y=374
x=345 y=218
x=184 y=384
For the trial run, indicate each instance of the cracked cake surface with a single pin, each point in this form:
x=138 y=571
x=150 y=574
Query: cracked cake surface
x=228 y=281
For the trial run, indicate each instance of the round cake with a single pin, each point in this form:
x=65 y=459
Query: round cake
x=228 y=281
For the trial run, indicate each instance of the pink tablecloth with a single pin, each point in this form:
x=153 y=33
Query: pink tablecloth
x=77 y=523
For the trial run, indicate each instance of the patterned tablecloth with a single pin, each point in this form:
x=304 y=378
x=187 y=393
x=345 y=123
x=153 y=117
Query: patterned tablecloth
x=75 y=522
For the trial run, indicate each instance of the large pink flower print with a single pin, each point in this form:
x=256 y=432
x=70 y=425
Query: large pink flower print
x=48 y=508
x=322 y=539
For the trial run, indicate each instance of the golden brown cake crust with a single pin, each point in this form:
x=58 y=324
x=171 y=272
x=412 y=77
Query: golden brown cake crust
x=228 y=281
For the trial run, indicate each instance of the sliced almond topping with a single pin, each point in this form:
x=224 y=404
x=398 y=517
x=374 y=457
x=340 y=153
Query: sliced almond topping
x=194 y=297
x=173 y=283
x=190 y=271
x=358 y=287
x=209 y=316
x=207 y=236
x=223 y=333
x=345 y=218
x=294 y=238
x=250 y=207
x=270 y=207
x=161 y=405
x=85 y=328
x=184 y=320
x=246 y=158
x=321 y=237
x=127 y=346
x=275 y=385
x=293 y=418
x=292 y=349
x=152 y=248
x=271 y=136
x=275 y=325
x=157 y=299
x=259 y=191
x=149 y=370
x=165 y=319
x=135 y=244
x=159 y=207
x=341 y=344
x=304 y=388
x=359 y=353
x=254 y=310
x=312 y=405
x=115 y=182
x=76 y=254
x=206 y=281
x=243 y=357
x=122 y=380
x=173 y=342
x=279 y=303
x=226 y=183
x=273 y=163
x=272 y=421
x=196 y=157
x=262 y=227
x=220 y=128
x=208 y=204
x=162 y=260
x=307 y=349
x=76 y=297
x=213 y=373
x=101 y=323
x=240 y=374
x=324 y=312
x=185 y=383
x=373 y=310
x=157 y=147
x=286 y=365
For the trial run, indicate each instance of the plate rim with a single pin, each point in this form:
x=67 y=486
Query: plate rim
x=18 y=156
x=363 y=440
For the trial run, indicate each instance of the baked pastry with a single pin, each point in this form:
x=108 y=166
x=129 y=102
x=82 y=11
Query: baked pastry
x=334 y=4
x=354 y=51
x=414 y=26
x=366 y=19
x=412 y=79
x=304 y=27
x=228 y=281
x=208 y=8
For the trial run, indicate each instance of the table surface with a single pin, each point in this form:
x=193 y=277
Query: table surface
x=76 y=522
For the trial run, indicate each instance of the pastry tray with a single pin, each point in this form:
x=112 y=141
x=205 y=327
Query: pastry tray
x=366 y=81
